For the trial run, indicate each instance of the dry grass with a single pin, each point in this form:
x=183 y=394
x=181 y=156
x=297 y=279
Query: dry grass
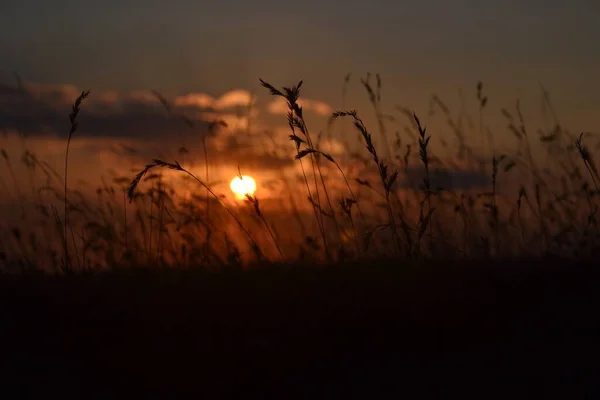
x=551 y=210
x=438 y=283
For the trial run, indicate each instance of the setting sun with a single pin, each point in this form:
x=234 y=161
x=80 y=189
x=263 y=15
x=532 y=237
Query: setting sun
x=242 y=187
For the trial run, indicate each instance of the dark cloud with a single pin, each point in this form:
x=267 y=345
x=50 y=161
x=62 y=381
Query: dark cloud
x=247 y=153
x=138 y=118
x=449 y=179
x=47 y=113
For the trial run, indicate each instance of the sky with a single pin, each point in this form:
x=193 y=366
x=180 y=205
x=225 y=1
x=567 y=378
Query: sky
x=208 y=56
x=216 y=46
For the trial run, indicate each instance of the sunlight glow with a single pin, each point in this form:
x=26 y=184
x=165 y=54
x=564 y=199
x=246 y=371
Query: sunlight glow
x=242 y=187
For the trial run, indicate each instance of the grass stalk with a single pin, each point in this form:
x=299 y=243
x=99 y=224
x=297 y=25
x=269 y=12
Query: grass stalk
x=67 y=225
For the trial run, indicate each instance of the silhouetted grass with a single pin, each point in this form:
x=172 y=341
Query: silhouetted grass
x=443 y=290
x=554 y=214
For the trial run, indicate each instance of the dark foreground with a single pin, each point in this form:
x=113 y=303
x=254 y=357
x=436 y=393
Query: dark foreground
x=508 y=330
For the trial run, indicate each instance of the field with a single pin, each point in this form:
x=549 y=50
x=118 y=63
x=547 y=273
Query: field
x=516 y=330
x=442 y=262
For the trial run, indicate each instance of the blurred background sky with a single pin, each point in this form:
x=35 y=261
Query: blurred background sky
x=215 y=46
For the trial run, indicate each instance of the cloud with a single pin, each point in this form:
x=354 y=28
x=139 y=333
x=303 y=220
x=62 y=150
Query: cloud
x=52 y=94
x=234 y=122
x=449 y=179
x=247 y=150
x=142 y=96
x=199 y=100
x=231 y=99
x=138 y=120
x=279 y=106
x=59 y=96
x=43 y=110
x=333 y=146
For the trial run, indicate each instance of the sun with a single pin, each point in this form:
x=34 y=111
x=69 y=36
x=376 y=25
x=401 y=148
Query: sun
x=242 y=187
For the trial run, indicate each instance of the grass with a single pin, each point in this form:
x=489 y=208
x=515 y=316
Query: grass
x=421 y=220
x=167 y=287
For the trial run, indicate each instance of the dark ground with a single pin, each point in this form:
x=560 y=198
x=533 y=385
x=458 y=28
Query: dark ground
x=501 y=330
